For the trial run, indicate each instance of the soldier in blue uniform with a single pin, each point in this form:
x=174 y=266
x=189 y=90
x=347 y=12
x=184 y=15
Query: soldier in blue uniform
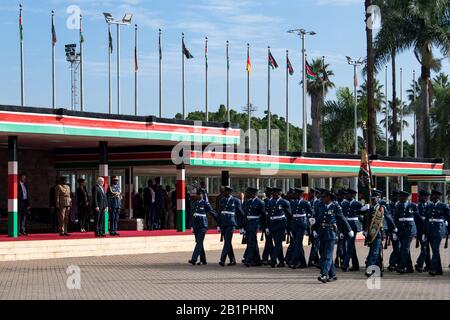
x=290 y=196
x=229 y=217
x=436 y=222
x=301 y=210
x=278 y=211
x=115 y=203
x=340 y=247
x=405 y=213
x=254 y=218
x=351 y=208
x=268 y=245
x=424 y=256
x=324 y=225
x=199 y=227
x=314 y=258
x=394 y=258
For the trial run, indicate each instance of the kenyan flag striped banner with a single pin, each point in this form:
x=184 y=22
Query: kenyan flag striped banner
x=310 y=75
x=20 y=24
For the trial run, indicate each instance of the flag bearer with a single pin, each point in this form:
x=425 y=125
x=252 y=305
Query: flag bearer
x=254 y=218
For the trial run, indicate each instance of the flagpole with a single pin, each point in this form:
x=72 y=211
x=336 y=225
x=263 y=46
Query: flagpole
x=305 y=145
x=401 y=122
x=109 y=69
x=228 y=82
x=415 y=116
x=182 y=78
x=160 y=74
x=248 y=101
x=118 y=68
x=206 y=78
x=81 y=66
x=53 y=60
x=22 y=71
x=287 y=101
x=387 y=127
x=136 y=68
x=269 y=124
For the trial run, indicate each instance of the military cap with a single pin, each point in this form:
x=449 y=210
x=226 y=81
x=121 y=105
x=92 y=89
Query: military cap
x=424 y=193
x=276 y=189
x=342 y=191
x=115 y=178
x=251 y=189
x=298 y=190
x=315 y=190
x=291 y=190
x=327 y=193
x=436 y=192
x=351 y=191
x=80 y=180
x=268 y=189
x=404 y=193
x=201 y=191
x=228 y=188
x=377 y=192
x=394 y=193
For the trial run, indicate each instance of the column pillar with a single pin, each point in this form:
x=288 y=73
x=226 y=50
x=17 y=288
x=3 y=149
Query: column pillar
x=415 y=193
x=103 y=172
x=305 y=186
x=181 y=198
x=225 y=178
x=129 y=192
x=12 y=187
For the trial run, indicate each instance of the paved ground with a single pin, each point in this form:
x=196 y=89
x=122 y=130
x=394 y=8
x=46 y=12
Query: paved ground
x=168 y=276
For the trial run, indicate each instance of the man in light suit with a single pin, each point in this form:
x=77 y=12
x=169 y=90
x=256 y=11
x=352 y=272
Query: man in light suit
x=100 y=206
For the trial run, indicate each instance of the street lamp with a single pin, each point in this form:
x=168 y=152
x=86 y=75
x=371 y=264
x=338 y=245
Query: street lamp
x=302 y=33
x=126 y=20
x=355 y=65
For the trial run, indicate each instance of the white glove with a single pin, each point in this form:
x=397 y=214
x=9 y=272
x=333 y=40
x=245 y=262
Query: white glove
x=267 y=231
x=315 y=235
x=394 y=237
x=242 y=231
x=446 y=223
x=366 y=207
x=341 y=236
x=192 y=229
x=424 y=238
x=351 y=234
x=312 y=221
x=395 y=230
x=218 y=229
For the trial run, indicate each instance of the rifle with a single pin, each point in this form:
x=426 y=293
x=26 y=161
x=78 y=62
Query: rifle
x=288 y=238
x=244 y=239
x=309 y=236
x=262 y=236
x=417 y=242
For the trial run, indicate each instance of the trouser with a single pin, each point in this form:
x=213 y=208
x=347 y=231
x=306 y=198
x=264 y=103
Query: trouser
x=394 y=258
x=83 y=217
x=157 y=217
x=327 y=266
x=63 y=219
x=114 y=216
x=424 y=256
x=436 y=265
x=374 y=257
x=149 y=217
x=350 y=252
x=405 y=252
x=227 y=244
x=289 y=250
x=252 y=252
x=314 y=253
x=298 y=253
x=268 y=248
x=199 y=250
x=278 y=246
x=99 y=221
x=340 y=250
x=22 y=219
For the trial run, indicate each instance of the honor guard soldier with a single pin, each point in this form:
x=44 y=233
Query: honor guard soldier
x=424 y=256
x=405 y=214
x=394 y=258
x=324 y=225
x=436 y=222
x=314 y=258
x=288 y=257
x=230 y=214
x=268 y=244
x=340 y=248
x=351 y=208
x=199 y=227
x=301 y=210
x=254 y=218
x=115 y=202
x=278 y=211
x=378 y=222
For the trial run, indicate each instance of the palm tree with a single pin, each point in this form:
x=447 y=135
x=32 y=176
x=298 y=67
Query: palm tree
x=317 y=89
x=371 y=112
x=441 y=80
x=440 y=124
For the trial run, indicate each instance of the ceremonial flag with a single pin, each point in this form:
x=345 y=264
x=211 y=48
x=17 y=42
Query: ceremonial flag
x=20 y=25
x=53 y=32
x=228 y=57
x=81 y=33
x=272 y=62
x=206 y=53
x=160 y=45
x=289 y=66
x=110 y=41
x=186 y=52
x=310 y=75
x=365 y=174
x=249 y=63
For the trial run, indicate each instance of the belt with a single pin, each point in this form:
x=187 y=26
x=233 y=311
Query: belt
x=252 y=217
x=228 y=212
x=199 y=215
x=326 y=225
x=353 y=219
x=405 y=219
x=299 y=215
x=278 y=217
x=436 y=220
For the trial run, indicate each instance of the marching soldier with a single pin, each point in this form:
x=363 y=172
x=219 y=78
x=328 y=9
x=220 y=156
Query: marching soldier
x=405 y=213
x=289 y=197
x=278 y=211
x=324 y=225
x=314 y=259
x=268 y=245
x=436 y=222
x=301 y=210
x=201 y=208
x=63 y=204
x=230 y=213
x=424 y=256
x=254 y=218
x=340 y=248
x=351 y=208
x=394 y=258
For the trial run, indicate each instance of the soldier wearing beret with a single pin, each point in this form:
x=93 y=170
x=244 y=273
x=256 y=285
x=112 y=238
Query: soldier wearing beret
x=63 y=203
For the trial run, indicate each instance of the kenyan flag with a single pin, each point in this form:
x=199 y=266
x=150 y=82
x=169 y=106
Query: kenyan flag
x=186 y=52
x=272 y=62
x=310 y=75
x=20 y=25
x=289 y=66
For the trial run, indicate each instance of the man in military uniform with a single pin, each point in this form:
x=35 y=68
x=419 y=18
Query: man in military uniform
x=201 y=207
x=405 y=213
x=351 y=208
x=436 y=222
x=115 y=201
x=229 y=215
x=278 y=211
x=324 y=226
x=394 y=258
x=340 y=248
x=63 y=204
x=301 y=210
x=290 y=196
x=314 y=258
x=254 y=218
x=268 y=244
x=424 y=256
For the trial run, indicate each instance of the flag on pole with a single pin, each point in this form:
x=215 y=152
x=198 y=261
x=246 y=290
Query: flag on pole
x=310 y=75
x=228 y=57
x=289 y=66
x=206 y=53
x=20 y=24
x=81 y=33
x=160 y=45
x=249 y=63
x=272 y=62
x=355 y=81
x=186 y=52
x=136 y=67
x=53 y=32
x=110 y=41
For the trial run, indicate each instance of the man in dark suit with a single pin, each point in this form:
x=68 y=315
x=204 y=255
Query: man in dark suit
x=23 y=203
x=159 y=203
x=149 y=205
x=99 y=205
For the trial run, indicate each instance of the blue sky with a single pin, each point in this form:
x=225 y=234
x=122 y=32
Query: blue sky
x=338 y=23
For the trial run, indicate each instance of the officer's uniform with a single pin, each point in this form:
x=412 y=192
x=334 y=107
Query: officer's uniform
x=352 y=211
x=437 y=214
x=300 y=212
x=394 y=258
x=254 y=217
x=230 y=213
x=114 y=203
x=199 y=225
x=315 y=242
x=63 y=204
x=405 y=214
x=268 y=244
x=340 y=248
x=278 y=211
x=424 y=256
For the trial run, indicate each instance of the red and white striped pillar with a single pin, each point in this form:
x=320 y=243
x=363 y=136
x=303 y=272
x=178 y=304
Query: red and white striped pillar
x=305 y=186
x=415 y=193
x=12 y=187
x=103 y=172
x=181 y=198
